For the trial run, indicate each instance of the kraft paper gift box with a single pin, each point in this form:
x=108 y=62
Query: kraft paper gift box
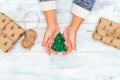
x=10 y=32
x=108 y=32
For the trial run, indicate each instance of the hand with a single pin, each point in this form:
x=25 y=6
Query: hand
x=70 y=37
x=51 y=31
x=49 y=36
x=70 y=34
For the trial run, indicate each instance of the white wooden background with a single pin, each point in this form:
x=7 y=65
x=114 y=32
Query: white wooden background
x=92 y=61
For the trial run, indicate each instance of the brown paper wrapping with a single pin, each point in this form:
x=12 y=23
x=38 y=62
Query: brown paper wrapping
x=10 y=32
x=108 y=32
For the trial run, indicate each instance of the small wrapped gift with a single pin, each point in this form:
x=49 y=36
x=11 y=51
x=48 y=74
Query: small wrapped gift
x=108 y=32
x=10 y=32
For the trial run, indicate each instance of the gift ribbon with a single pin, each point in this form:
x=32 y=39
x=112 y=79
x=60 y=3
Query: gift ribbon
x=114 y=33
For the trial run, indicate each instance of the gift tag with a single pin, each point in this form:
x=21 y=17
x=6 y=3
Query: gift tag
x=30 y=34
x=29 y=38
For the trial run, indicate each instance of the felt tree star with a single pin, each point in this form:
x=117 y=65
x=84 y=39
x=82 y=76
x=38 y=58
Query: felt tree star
x=58 y=44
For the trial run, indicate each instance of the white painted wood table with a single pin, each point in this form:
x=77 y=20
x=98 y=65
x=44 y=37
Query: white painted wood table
x=93 y=60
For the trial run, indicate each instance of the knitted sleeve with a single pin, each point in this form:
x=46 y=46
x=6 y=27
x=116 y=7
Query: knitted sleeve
x=46 y=5
x=81 y=8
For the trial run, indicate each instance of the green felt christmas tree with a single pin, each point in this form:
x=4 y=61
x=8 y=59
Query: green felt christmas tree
x=58 y=44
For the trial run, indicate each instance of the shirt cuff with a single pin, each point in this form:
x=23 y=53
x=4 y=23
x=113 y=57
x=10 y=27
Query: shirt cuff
x=48 y=5
x=79 y=11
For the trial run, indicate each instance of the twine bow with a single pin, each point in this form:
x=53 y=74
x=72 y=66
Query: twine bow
x=114 y=33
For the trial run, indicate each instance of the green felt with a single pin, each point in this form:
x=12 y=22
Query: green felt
x=58 y=44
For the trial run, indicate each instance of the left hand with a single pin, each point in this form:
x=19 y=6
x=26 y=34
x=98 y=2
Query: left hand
x=70 y=37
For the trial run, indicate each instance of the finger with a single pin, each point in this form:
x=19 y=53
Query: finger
x=73 y=43
x=53 y=51
x=48 y=49
x=48 y=46
x=45 y=39
x=68 y=47
x=47 y=36
x=68 y=51
x=65 y=36
x=50 y=41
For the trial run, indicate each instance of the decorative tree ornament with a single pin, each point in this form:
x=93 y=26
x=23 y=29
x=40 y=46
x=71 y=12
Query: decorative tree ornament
x=58 y=44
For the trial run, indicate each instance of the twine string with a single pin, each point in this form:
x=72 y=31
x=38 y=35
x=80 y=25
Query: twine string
x=114 y=33
x=37 y=17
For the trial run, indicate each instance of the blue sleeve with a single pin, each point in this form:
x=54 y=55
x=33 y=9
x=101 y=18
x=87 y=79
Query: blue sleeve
x=86 y=4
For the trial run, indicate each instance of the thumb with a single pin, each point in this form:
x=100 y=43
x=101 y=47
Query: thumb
x=45 y=39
